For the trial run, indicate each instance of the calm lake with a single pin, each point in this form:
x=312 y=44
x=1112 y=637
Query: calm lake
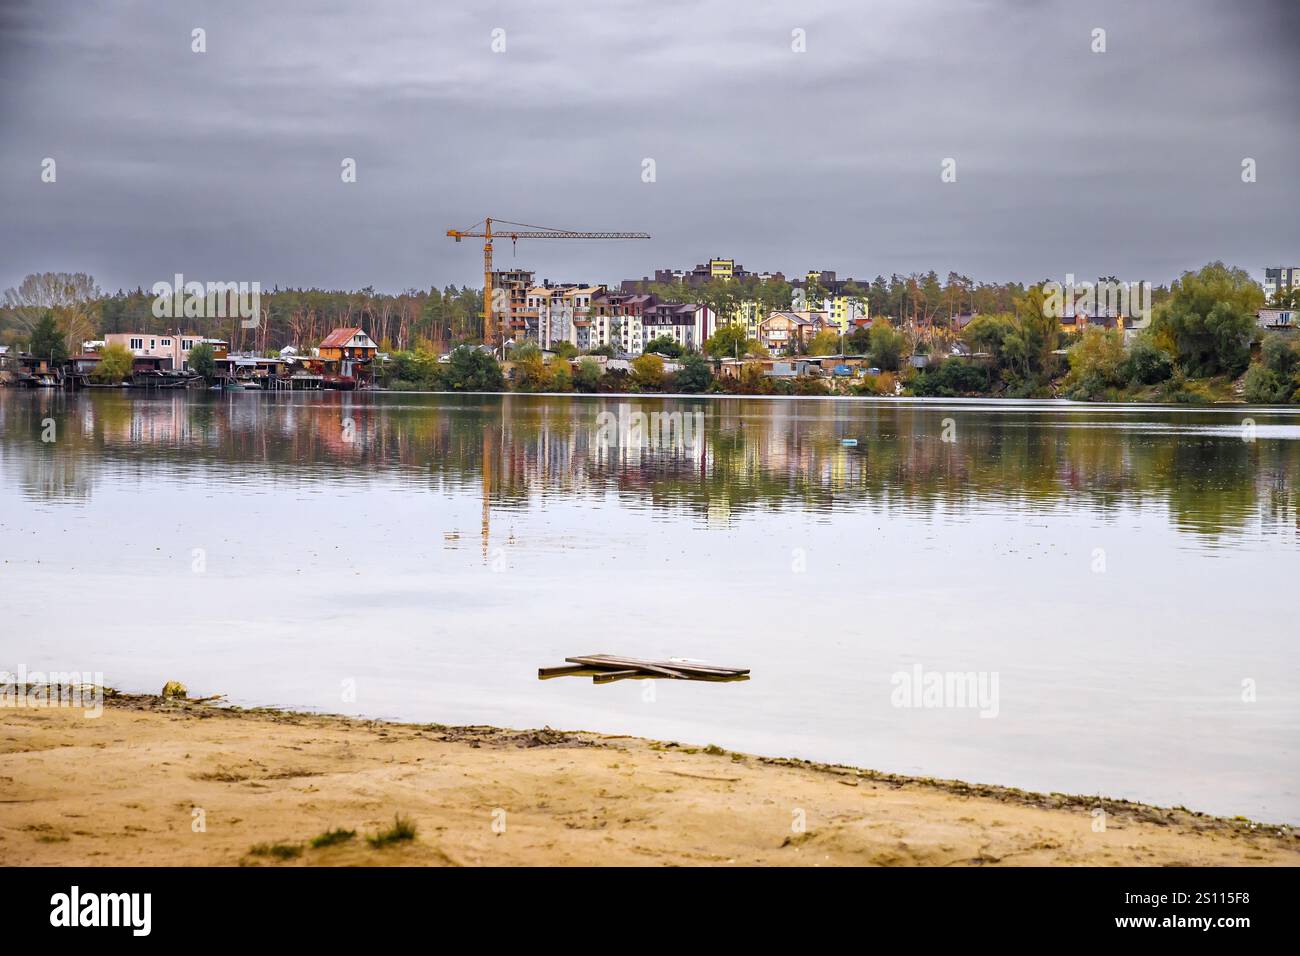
x=1121 y=581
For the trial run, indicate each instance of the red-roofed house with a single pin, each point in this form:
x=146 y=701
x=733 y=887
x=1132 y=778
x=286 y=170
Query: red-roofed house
x=348 y=345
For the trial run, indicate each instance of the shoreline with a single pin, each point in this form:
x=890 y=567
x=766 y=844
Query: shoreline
x=984 y=400
x=971 y=400
x=131 y=786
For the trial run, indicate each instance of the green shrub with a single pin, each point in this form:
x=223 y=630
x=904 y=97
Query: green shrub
x=473 y=370
x=402 y=829
x=952 y=378
x=1279 y=356
x=332 y=837
x=695 y=375
x=1147 y=363
x=1263 y=386
x=280 y=851
x=587 y=376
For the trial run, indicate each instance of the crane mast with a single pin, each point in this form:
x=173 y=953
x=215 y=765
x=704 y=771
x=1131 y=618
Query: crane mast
x=519 y=231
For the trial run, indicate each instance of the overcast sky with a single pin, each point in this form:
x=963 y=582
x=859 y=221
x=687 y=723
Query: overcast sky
x=226 y=165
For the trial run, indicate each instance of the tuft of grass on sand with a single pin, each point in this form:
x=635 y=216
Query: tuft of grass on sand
x=403 y=828
x=332 y=837
x=280 y=851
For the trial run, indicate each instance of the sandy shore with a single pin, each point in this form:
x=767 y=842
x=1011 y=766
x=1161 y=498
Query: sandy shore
x=180 y=783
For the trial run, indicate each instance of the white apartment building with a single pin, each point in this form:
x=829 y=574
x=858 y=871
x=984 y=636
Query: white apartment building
x=688 y=324
x=175 y=346
x=549 y=311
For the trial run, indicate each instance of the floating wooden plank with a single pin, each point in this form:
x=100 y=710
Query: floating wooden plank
x=683 y=666
x=607 y=668
x=679 y=666
x=564 y=670
x=610 y=663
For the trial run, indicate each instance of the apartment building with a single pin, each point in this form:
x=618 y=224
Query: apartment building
x=618 y=319
x=747 y=314
x=584 y=335
x=844 y=301
x=686 y=323
x=1280 y=279
x=510 y=302
x=843 y=311
x=173 y=346
x=549 y=313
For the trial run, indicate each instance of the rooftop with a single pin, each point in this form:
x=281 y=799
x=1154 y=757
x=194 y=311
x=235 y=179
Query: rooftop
x=339 y=338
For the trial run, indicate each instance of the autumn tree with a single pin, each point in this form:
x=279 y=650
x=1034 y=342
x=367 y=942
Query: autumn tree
x=72 y=298
x=825 y=342
x=115 y=364
x=1097 y=362
x=648 y=370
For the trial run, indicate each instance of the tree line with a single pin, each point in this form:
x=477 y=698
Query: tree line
x=81 y=311
x=1204 y=328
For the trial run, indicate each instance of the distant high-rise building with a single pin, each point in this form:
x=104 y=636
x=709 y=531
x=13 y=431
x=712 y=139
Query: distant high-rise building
x=1281 y=279
x=510 y=302
x=723 y=268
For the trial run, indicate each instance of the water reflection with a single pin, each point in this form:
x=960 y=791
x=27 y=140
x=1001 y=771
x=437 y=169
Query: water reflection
x=753 y=455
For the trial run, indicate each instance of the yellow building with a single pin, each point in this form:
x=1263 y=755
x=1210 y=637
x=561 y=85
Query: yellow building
x=747 y=314
x=845 y=310
x=722 y=268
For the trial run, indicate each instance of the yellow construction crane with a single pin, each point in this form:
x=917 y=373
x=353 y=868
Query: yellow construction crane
x=515 y=232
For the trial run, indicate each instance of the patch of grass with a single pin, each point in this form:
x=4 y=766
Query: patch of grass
x=332 y=837
x=715 y=750
x=280 y=851
x=403 y=828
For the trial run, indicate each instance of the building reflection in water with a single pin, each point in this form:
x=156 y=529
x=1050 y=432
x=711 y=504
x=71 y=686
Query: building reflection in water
x=751 y=455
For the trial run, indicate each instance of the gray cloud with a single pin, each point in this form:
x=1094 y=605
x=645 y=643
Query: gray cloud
x=226 y=165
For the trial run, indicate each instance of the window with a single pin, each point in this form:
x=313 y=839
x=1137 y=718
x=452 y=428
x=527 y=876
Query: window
x=137 y=343
x=166 y=341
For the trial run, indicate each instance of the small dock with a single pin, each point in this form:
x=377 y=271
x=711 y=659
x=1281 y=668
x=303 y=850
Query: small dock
x=607 y=668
